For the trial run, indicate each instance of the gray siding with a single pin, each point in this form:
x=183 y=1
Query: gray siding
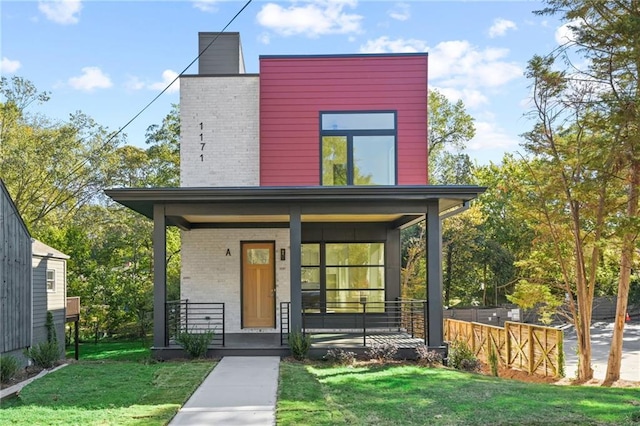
x=43 y=300
x=15 y=277
x=224 y=56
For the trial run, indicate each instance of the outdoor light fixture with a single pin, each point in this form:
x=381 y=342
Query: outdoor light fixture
x=283 y=254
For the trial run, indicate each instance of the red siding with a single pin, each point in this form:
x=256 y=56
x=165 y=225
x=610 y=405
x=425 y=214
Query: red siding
x=294 y=90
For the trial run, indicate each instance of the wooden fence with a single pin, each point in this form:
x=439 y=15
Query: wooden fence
x=526 y=347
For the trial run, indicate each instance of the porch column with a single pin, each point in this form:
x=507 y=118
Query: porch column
x=434 y=275
x=295 y=261
x=159 y=276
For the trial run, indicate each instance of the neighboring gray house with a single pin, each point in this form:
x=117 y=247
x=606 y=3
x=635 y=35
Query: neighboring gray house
x=32 y=282
x=49 y=291
x=15 y=279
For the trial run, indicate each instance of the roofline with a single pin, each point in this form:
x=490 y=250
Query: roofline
x=288 y=194
x=344 y=55
x=4 y=189
x=220 y=75
x=219 y=32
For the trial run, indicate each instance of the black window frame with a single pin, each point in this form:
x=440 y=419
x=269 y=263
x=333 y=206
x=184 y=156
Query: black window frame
x=349 y=134
x=323 y=270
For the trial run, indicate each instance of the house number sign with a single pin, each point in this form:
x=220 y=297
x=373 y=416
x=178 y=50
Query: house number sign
x=202 y=142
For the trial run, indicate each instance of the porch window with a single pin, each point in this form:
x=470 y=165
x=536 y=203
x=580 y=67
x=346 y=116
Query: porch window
x=340 y=277
x=358 y=148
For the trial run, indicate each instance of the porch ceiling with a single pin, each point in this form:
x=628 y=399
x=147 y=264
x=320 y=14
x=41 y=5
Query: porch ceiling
x=398 y=205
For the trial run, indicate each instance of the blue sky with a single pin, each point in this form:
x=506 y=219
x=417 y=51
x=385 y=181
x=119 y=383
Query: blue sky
x=110 y=58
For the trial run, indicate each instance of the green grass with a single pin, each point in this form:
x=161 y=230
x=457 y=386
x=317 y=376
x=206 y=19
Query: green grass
x=120 y=350
x=319 y=394
x=108 y=386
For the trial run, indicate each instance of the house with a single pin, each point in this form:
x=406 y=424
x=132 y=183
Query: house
x=295 y=184
x=49 y=292
x=15 y=279
x=33 y=282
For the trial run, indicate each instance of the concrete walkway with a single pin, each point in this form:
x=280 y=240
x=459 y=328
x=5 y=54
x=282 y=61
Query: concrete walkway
x=239 y=391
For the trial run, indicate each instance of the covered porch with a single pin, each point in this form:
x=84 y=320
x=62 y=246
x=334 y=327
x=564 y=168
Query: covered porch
x=306 y=214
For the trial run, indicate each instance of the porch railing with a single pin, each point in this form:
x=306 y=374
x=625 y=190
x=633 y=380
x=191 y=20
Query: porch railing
x=284 y=322
x=73 y=309
x=185 y=316
x=365 y=318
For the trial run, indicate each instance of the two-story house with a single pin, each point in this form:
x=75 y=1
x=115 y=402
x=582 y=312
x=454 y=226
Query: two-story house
x=295 y=184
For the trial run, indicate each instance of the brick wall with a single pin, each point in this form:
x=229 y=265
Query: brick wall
x=209 y=275
x=219 y=132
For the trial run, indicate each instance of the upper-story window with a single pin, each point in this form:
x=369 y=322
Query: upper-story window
x=358 y=148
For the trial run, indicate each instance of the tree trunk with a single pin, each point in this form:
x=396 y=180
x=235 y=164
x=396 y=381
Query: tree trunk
x=626 y=261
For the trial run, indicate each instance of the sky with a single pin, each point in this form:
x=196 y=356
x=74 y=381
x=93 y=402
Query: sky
x=109 y=59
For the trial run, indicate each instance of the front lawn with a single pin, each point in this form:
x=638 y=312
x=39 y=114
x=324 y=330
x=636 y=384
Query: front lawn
x=320 y=394
x=106 y=393
x=116 y=350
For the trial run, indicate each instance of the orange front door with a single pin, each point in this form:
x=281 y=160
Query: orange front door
x=258 y=285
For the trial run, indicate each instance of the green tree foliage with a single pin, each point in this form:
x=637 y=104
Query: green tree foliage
x=56 y=172
x=51 y=169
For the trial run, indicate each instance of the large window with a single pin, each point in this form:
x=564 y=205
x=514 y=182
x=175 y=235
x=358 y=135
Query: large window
x=339 y=277
x=358 y=148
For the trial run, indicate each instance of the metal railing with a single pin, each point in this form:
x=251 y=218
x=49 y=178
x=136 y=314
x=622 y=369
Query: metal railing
x=184 y=316
x=284 y=322
x=407 y=317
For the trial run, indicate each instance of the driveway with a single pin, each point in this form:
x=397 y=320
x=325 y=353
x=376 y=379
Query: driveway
x=600 y=343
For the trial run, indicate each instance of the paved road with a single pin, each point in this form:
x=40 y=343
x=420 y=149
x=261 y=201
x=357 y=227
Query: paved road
x=600 y=343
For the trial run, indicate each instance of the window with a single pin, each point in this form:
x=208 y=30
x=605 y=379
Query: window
x=340 y=276
x=358 y=148
x=51 y=280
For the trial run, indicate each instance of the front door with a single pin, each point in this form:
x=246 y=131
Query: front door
x=258 y=285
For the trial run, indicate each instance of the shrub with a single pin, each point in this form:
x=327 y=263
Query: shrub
x=51 y=328
x=8 y=368
x=461 y=357
x=427 y=357
x=340 y=356
x=493 y=360
x=195 y=343
x=300 y=344
x=44 y=354
x=382 y=352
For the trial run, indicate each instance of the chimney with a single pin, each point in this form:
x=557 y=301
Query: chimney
x=224 y=56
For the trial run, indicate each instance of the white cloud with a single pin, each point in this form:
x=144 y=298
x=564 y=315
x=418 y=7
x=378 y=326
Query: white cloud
x=92 y=78
x=8 y=66
x=490 y=136
x=472 y=98
x=386 y=45
x=401 y=12
x=500 y=27
x=61 y=11
x=167 y=77
x=312 y=19
x=206 y=5
x=564 y=34
x=135 y=83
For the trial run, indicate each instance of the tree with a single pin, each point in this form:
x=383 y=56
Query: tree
x=450 y=128
x=566 y=192
x=51 y=169
x=607 y=34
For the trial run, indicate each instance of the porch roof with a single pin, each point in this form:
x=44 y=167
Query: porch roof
x=186 y=207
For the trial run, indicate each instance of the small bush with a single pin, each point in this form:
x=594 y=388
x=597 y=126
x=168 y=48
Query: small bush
x=493 y=360
x=195 y=343
x=300 y=344
x=340 y=356
x=427 y=357
x=461 y=357
x=8 y=367
x=382 y=352
x=44 y=354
